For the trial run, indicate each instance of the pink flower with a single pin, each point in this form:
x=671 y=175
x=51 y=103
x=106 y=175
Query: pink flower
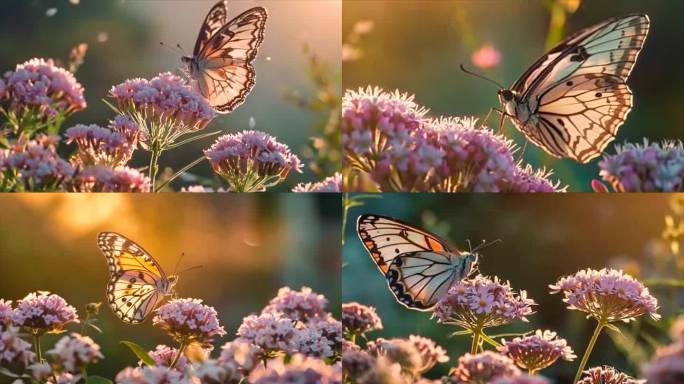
x=272 y=332
x=481 y=303
x=251 y=160
x=429 y=351
x=75 y=352
x=299 y=305
x=34 y=166
x=100 y=146
x=201 y=189
x=356 y=363
x=483 y=368
x=486 y=56
x=241 y=355
x=188 y=320
x=39 y=87
x=645 y=168
x=607 y=295
x=320 y=337
x=358 y=319
x=127 y=127
x=522 y=379
x=6 y=313
x=150 y=375
x=214 y=372
x=164 y=356
x=300 y=369
x=329 y=184
x=667 y=366
x=400 y=351
x=608 y=375
x=100 y=178
x=528 y=180
x=537 y=351
x=43 y=312
x=14 y=350
x=64 y=378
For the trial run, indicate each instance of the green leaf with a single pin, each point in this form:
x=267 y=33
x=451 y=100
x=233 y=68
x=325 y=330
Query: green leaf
x=98 y=380
x=614 y=328
x=95 y=327
x=490 y=341
x=461 y=333
x=140 y=352
x=8 y=373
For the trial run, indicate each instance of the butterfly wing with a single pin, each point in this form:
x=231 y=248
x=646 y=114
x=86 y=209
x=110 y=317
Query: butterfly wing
x=419 y=279
x=137 y=283
x=386 y=238
x=215 y=20
x=578 y=90
x=225 y=74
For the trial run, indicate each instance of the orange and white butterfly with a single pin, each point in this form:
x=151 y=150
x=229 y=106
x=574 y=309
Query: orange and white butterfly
x=419 y=267
x=137 y=284
x=221 y=63
x=572 y=100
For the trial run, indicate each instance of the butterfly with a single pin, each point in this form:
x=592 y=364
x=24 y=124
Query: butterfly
x=572 y=100
x=137 y=284
x=419 y=267
x=221 y=63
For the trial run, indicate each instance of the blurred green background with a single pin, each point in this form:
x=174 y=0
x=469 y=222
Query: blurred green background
x=248 y=245
x=124 y=36
x=543 y=237
x=417 y=46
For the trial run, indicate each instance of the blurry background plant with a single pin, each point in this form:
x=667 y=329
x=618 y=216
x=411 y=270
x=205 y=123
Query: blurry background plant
x=543 y=239
x=422 y=58
x=96 y=33
x=274 y=239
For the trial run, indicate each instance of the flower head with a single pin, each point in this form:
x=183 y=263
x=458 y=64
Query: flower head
x=401 y=351
x=522 y=379
x=358 y=319
x=150 y=375
x=6 y=313
x=482 y=303
x=43 y=312
x=272 y=332
x=654 y=167
x=64 y=378
x=607 y=295
x=188 y=320
x=101 y=178
x=356 y=363
x=40 y=88
x=429 y=351
x=537 y=351
x=216 y=372
x=528 y=179
x=14 y=350
x=299 y=305
x=240 y=354
x=300 y=369
x=607 y=375
x=329 y=184
x=164 y=356
x=99 y=146
x=483 y=368
x=383 y=371
x=35 y=165
x=320 y=337
x=165 y=108
x=251 y=160
x=667 y=366
x=75 y=352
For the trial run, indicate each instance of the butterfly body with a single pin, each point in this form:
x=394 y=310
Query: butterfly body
x=418 y=266
x=572 y=100
x=137 y=284
x=221 y=63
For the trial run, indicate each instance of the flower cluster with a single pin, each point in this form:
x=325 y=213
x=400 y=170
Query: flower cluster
x=188 y=320
x=298 y=305
x=6 y=313
x=74 y=352
x=329 y=184
x=483 y=368
x=537 y=351
x=300 y=369
x=102 y=146
x=388 y=137
x=42 y=312
x=251 y=160
x=164 y=355
x=667 y=366
x=481 y=302
x=34 y=166
x=39 y=92
x=165 y=108
x=607 y=295
x=13 y=349
x=101 y=178
x=608 y=375
x=654 y=167
x=359 y=319
x=416 y=355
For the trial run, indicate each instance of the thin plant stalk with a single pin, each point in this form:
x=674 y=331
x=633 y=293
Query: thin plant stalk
x=176 y=358
x=180 y=172
x=37 y=347
x=585 y=358
x=476 y=341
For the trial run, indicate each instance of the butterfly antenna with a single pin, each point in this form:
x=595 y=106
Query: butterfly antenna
x=181 y=49
x=471 y=73
x=175 y=269
x=172 y=49
x=191 y=268
x=485 y=244
x=470 y=246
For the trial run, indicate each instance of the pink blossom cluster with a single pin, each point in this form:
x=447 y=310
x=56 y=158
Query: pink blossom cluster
x=251 y=160
x=272 y=332
x=607 y=295
x=610 y=375
x=101 y=178
x=163 y=99
x=34 y=166
x=299 y=305
x=74 y=352
x=164 y=355
x=522 y=379
x=100 y=146
x=537 y=351
x=329 y=184
x=6 y=313
x=415 y=354
x=482 y=302
x=157 y=374
x=188 y=320
x=300 y=369
x=388 y=137
x=483 y=368
x=41 y=88
x=667 y=366
x=13 y=349
x=359 y=319
x=654 y=167
x=42 y=312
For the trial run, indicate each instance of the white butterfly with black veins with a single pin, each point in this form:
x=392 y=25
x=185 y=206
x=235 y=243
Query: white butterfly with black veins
x=572 y=101
x=137 y=283
x=221 y=63
x=419 y=267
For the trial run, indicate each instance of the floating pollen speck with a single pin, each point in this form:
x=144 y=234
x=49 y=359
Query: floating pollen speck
x=75 y=2
x=51 y=12
x=268 y=58
x=252 y=122
x=102 y=37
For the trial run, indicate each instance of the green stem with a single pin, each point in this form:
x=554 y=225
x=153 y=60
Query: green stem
x=476 y=341
x=180 y=172
x=176 y=358
x=36 y=346
x=345 y=213
x=590 y=347
x=353 y=338
x=154 y=167
x=84 y=326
